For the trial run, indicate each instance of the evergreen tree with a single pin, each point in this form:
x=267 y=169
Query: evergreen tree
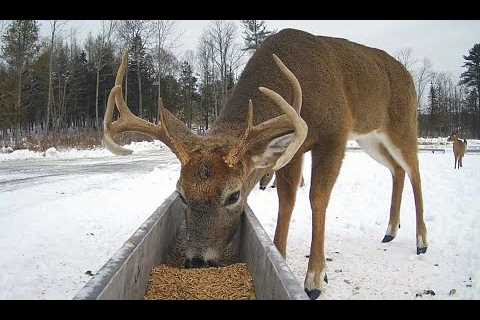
x=188 y=87
x=20 y=45
x=471 y=78
x=254 y=33
x=432 y=109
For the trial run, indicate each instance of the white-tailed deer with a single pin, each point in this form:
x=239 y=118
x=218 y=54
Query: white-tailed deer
x=459 y=147
x=342 y=89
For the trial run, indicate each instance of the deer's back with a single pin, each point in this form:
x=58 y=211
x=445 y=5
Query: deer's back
x=339 y=79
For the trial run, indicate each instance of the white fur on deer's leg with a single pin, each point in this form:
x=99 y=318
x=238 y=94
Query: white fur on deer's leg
x=422 y=244
x=391 y=232
x=315 y=283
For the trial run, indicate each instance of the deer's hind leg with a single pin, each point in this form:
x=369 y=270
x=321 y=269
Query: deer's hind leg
x=373 y=146
x=403 y=149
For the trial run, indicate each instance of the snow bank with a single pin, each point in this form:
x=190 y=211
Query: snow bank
x=53 y=153
x=145 y=146
x=6 y=150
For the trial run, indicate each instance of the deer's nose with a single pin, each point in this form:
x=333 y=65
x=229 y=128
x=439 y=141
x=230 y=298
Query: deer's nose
x=195 y=262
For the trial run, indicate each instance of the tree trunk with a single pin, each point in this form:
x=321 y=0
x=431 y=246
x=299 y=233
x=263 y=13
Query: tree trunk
x=50 y=84
x=96 y=98
x=19 y=95
x=160 y=102
x=139 y=78
x=160 y=106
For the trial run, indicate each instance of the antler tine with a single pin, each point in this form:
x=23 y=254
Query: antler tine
x=107 y=136
x=277 y=125
x=298 y=123
x=234 y=155
x=297 y=89
x=128 y=122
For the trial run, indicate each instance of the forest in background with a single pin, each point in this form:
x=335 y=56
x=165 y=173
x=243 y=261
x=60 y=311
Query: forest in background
x=53 y=89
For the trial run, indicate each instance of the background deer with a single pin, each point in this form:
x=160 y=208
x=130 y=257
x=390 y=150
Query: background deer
x=342 y=89
x=459 y=147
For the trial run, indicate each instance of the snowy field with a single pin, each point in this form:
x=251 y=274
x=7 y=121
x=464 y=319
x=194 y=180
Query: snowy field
x=64 y=213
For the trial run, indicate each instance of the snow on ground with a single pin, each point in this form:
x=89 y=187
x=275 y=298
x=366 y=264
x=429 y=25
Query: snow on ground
x=53 y=153
x=364 y=268
x=67 y=213
x=56 y=227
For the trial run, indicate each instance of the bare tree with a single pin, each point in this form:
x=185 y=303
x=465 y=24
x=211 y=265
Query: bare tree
x=222 y=35
x=103 y=42
x=136 y=35
x=421 y=71
x=405 y=57
x=165 y=30
x=55 y=27
x=423 y=76
x=204 y=61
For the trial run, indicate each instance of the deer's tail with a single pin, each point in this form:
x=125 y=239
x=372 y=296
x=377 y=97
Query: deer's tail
x=465 y=141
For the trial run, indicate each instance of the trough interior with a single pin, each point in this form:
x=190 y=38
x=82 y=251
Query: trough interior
x=161 y=240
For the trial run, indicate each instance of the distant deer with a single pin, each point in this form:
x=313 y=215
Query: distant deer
x=459 y=147
x=342 y=90
x=265 y=180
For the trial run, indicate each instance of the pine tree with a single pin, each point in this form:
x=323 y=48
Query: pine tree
x=188 y=85
x=471 y=78
x=254 y=33
x=20 y=45
x=432 y=108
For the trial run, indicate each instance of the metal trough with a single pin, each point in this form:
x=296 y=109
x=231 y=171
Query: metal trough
x=126 y=274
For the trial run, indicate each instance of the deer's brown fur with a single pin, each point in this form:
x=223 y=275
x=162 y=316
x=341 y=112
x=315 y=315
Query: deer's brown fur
x=348 y=91
x=459 y=148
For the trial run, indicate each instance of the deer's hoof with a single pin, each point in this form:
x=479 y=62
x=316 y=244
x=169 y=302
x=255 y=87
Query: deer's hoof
x=421 y=250
x=387 y=238
x=421 y=244
x=315 y=283
x=313 y=294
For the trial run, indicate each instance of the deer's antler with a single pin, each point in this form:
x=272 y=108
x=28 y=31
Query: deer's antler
x=288 y=122
x=128 y=122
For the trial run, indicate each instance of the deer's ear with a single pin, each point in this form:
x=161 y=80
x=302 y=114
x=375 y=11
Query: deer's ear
x=265 y=155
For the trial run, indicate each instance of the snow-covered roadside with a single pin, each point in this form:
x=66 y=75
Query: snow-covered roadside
x=53 y=153
x=56 y=231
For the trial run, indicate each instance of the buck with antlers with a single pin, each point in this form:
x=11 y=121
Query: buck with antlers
x=459 y=147
x=343 y=90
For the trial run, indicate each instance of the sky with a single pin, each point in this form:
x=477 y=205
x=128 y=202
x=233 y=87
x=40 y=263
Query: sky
x=443 y=42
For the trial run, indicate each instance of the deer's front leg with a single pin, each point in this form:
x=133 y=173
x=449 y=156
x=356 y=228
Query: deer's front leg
x=326 y=164
x=287 y=179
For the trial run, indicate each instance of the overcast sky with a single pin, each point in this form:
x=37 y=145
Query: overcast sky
x=444 y=42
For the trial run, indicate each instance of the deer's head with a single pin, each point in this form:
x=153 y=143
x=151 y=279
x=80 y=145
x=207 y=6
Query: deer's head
x=453 y=137
x=217 y=171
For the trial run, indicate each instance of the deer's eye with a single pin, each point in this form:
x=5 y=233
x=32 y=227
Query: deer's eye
x=232 y=198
